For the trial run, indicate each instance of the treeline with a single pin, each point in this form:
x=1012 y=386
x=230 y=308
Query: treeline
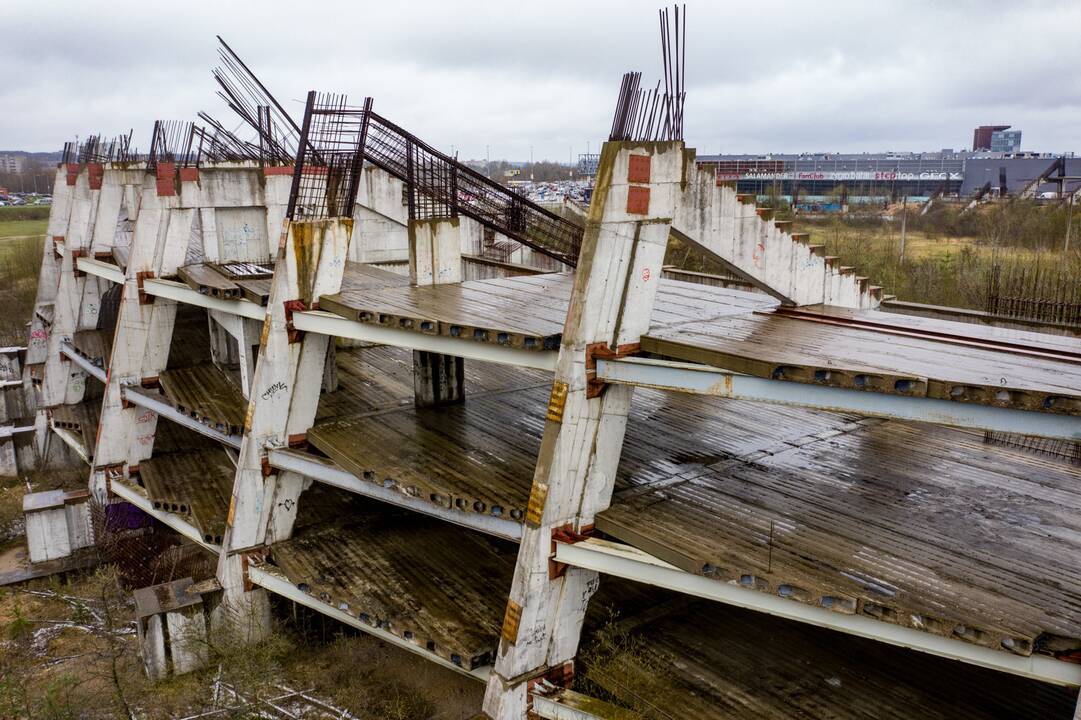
x=542 y=171
x=24 y=212
x=1018 y=224
x=37 y=177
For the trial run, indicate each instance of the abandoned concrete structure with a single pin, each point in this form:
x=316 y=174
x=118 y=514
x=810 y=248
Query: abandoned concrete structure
x=309 y=368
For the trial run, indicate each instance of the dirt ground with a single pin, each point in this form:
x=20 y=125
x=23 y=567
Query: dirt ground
x=69 y=650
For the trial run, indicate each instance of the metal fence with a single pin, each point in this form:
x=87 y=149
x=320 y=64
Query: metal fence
x=1034 y=292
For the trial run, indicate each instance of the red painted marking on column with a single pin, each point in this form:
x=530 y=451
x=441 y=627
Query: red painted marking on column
x=189 y=174
x=268 y=171
x=638 y=169
x=95 y=173
x=638 y=200
x=166 y=179
x=646 y=274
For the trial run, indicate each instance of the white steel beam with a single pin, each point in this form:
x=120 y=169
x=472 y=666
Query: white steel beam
x=7 y=431
x=85 y=365
x=330 y=324
x=73 y=442
x=327 y=472
x=10 y=383
x=705 y=380
x=174 y=521
x=166 y=410
x=180 y=292
x=279 y=585
x=555 y=703
x=99 y=268
x=628 y=562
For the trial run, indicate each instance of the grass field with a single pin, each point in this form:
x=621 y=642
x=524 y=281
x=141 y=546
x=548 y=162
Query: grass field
x=20 y=260
x=22 y=228
x=18 y=221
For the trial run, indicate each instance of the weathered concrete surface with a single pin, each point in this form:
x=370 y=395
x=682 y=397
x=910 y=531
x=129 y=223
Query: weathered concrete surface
x=611 y=304
x=746 y=239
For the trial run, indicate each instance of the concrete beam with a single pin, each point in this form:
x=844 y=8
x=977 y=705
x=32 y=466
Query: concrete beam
x=331 y=324
x=632 y=564
x=328 y=473
x=73 y=442
x=705 y=380
x=85 y=365
x=174 y=521
x=555 y=703
x=179 y=292
x=279 y=585
x=164 y=409
x=100 y=268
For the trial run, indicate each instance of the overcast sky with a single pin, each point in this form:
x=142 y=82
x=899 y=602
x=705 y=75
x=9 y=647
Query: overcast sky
x=766 y=76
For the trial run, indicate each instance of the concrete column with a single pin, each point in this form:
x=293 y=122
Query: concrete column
x=63 y=383
x=380 y=218
x=284 y=398
x=37 y=341
x=144 y=324
x=171 y=625
x=112 y=184
x=638 y=185
x=435 y=258
x=170 y=205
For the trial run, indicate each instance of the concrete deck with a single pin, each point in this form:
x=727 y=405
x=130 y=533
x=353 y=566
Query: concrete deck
x=79 y=425
x=94 y=345
x=524 y=312
x=744 y=332
x=950 y=361
x=206 y=394
x=247 y=281
x=921 y=526
x=195 y=485
x=699 y=661
x=911 y=524
x=426 y=581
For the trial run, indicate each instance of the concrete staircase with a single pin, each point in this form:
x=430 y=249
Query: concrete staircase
x=752 y=244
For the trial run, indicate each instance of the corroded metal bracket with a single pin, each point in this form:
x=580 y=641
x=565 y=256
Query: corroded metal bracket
x=565 y=534
x=594 y=386
x=140 y=277
x=75 y=255
x=292 y=306
x=257 y=556
x=109 y=473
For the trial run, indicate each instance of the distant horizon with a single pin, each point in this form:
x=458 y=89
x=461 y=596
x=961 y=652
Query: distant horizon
x=700 y=153
x=498 y=80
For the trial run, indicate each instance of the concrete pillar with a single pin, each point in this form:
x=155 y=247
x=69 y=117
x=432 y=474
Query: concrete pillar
x=380 y=219
x=63 y=383
x=437 y=379
x=228 y=206
x=285 y=395
x=172 y=628
x=435 y=258
x=46 y=526
x=143 y=327
x=9 y=463
x=151 y=631
x=638 y=185
x=49 y=276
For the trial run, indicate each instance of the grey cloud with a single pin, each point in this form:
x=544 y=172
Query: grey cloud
x=779 y=76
